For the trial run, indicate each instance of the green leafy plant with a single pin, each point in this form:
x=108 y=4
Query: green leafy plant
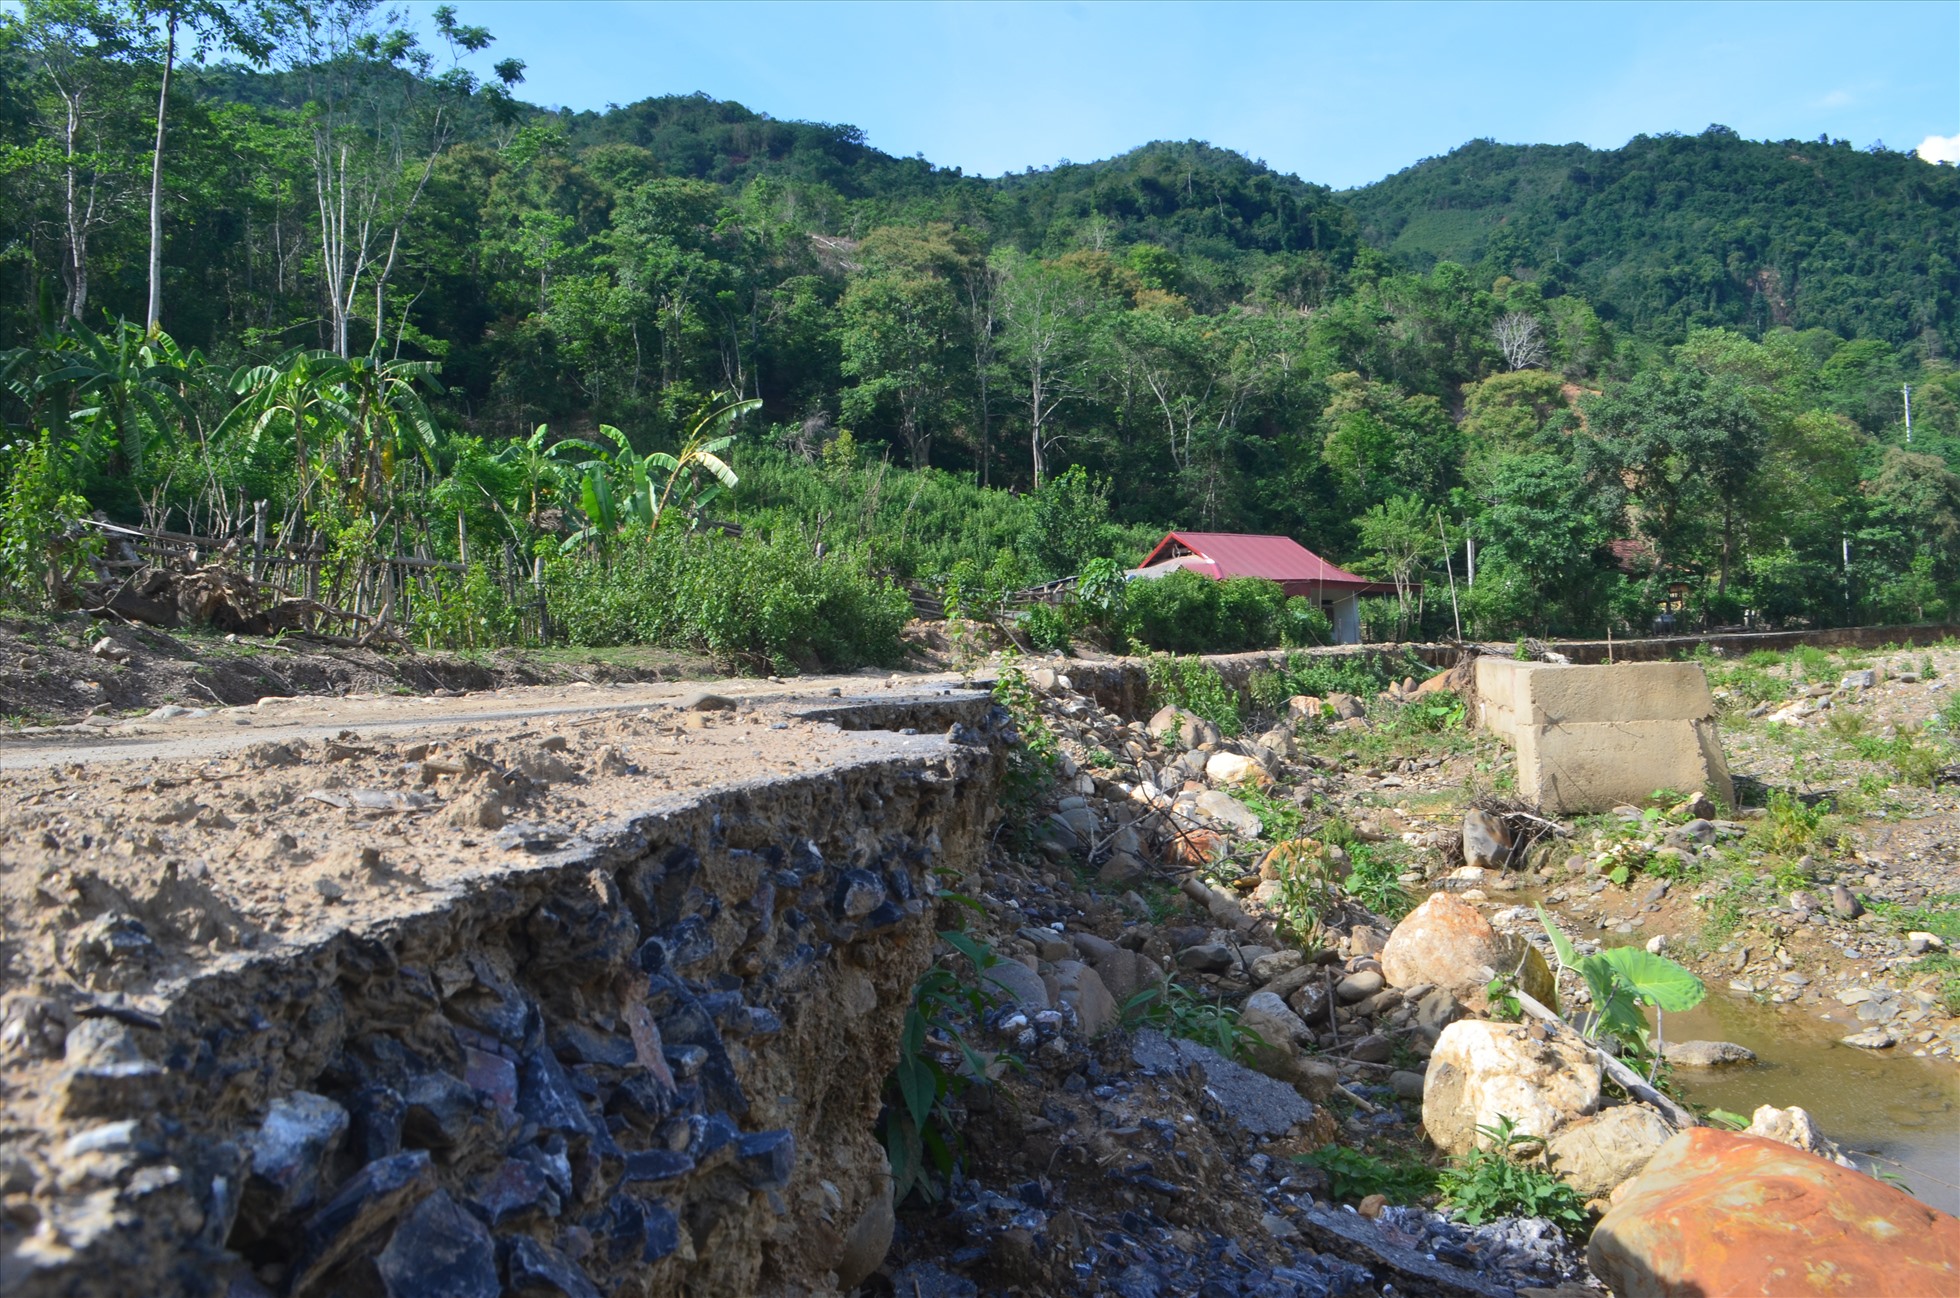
x=1194 y=685
x=1177 y=1010
x=935 y=1064
x=1031 y=762
x=1489 y=1183
x=1374 y=882
x=1621 y=979
x=1353 y=1174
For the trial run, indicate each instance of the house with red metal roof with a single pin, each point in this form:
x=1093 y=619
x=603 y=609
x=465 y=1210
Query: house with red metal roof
x=1298 y=570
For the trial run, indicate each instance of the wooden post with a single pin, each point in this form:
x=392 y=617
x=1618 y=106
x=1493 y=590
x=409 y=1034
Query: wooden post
x=258 y=540
x=462 y=541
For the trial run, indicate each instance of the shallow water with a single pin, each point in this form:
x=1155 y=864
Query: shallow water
x=1889 y=1106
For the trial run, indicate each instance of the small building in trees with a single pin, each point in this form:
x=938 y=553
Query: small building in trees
x=1298 y=570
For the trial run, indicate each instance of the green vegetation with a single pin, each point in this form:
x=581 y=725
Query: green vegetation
x=1195 y=686
x=1621 y=979
x=1489 y=1183
x=1353 y=1174
x=935 y=1064
x=416 y=316
x=1181 y=1012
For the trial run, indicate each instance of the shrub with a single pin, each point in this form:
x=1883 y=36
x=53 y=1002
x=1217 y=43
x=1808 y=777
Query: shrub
x=1047 y=628
x=1183 y=612
x=750 y=603
x=1194 y=685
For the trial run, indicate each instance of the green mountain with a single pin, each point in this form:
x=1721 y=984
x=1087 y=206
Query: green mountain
x=1672 y=232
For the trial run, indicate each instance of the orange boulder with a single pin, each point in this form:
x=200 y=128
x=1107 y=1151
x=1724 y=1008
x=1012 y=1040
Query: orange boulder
x=1717 y=1213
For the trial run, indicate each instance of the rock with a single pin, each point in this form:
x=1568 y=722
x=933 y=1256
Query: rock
x=1796 y=1128
x=1346 y=707
x=1261 y=1105
x=1592 y=1155
x=1859 y=680
x=1371 y=1206
x=540 y=1269
x=440 y=1252
x=1357 y=987
x=1271 y=1018
x=1919 y=942
x=1273 y=964
x=1720 y=1213
x=1207 y=957
x=1697 y=807
x=704 y=701
x=1407 y=1085
x=1223 y=809
x=1447 y=943
x=109 y=650
x=371 y=1200
x=1231 y=768
x=1872 y=1038
x=1082 y=989
x=1486 y=839
x=1120 y=871
x=300 y=1132
x=1014 y=982
x=1372 y=1049
x=1706 y=1054
x=1303 y=705
x=1481 y=1070
x=1844 y=903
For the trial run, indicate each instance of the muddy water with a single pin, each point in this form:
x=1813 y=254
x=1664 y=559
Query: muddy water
x=1895 y=1108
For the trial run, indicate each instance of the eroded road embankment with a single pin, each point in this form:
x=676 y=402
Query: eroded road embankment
x=583 y=987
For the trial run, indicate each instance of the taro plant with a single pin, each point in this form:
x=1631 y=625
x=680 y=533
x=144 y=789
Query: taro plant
x=1621 y=980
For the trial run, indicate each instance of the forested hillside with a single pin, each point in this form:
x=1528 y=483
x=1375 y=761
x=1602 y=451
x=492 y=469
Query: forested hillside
x=1673 y=232
x=373 y=275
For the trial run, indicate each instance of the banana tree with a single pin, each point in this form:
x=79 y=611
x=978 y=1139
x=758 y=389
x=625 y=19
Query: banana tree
x=621 y=489
x=352 y=421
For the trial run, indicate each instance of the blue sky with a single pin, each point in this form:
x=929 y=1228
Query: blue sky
x=1342 y=94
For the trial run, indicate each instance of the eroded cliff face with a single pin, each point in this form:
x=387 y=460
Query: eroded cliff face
x=645 y=1061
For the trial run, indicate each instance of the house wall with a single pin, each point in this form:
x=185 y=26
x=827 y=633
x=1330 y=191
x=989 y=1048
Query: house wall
x=1347 y=620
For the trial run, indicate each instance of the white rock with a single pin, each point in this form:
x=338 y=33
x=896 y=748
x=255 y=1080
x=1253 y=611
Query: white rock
x=1481 y=1071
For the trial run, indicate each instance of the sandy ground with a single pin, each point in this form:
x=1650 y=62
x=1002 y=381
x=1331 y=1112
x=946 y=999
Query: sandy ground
x=132 y=854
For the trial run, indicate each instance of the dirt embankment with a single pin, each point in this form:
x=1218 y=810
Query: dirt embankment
x=587 y=999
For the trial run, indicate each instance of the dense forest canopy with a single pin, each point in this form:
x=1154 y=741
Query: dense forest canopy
x=305 y=257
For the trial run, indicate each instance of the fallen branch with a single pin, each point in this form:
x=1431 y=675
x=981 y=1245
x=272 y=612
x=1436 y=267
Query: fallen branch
x=1631 y=1081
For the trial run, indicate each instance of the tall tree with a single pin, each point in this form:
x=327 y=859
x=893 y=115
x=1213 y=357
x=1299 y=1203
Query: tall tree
x=231 y=27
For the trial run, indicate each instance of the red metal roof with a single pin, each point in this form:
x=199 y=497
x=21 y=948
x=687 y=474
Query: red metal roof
x=1276 y=558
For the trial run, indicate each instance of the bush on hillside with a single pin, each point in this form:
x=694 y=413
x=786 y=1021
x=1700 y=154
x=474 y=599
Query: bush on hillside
x=752 y=604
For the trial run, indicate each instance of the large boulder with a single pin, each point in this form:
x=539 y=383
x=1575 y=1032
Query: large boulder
x=1717 y=1212
x=1486 y=840
x=1593 y=1155
x=1482 y=1071
x=1446 y=943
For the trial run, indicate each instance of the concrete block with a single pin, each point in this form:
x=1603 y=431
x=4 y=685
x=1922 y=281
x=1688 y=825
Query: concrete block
x=1589 y=738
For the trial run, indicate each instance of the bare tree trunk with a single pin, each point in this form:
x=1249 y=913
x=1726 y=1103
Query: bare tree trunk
x=156 y=179
x=76 y=219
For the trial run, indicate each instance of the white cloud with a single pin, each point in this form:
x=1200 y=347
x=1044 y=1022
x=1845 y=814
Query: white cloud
x=1836 y=99
x=1940 y=148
